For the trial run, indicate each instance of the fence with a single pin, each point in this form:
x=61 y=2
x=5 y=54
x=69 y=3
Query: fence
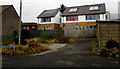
x=84 y=32
x=108 y=30
x=39 y=33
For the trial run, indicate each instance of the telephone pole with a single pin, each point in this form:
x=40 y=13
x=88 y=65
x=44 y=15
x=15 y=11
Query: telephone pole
x=20 y=20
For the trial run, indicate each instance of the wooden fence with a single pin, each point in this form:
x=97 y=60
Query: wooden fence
x=107 y=30
x=84 y=32
x=40 y=33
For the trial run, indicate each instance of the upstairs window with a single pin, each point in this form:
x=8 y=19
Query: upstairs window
x=94 y=8
x=73 y=10
x=48 y=19
x=72 y=18
x=93 y=17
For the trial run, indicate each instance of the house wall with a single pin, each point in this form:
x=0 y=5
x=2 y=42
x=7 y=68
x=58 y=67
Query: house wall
x=107 y=31
x=57 y=18
x=52 y=25
x=10 y=21
x=82 y=18
x=119 y=10
x=0 y=25
x=102 y=17
x=79 y=24
x=108 y=16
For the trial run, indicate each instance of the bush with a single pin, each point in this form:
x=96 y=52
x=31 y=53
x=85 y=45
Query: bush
x=45 y=35
x=63 y=39
x=95 y=47
x=52 y=41
x=35 y=40
x=24 y=50
x=112 y=44
x=7 y=39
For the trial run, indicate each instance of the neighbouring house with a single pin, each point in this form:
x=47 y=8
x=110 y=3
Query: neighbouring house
x=107 y=30
x=10 y=19
x=83 y=16
x=29 y=26
x=49 y=19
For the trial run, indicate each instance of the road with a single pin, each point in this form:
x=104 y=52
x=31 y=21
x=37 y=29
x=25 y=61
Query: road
x=74 y=55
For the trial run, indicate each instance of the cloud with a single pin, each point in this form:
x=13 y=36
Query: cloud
x=32 y=8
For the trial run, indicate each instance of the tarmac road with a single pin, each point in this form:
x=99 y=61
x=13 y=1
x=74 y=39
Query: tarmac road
x=74 y=55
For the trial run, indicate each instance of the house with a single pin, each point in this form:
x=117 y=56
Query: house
x=29 y=26
x=83 y=16
x=10 y=19
x=49 y=19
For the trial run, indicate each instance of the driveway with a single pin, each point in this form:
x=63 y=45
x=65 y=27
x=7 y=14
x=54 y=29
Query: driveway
x=74 y=55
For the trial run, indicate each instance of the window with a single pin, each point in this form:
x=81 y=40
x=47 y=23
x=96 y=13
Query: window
x=46 y=19
x=30 y=28
x=72 y=18
x=33 y=27
x=91 y=26
x=73 y=10
x=93 y=17
x=24 y=27
x=72 y=27
x=94 y=8
x=46 y=28
x=27 y=28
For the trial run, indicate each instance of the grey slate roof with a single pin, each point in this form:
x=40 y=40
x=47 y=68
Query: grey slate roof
x=49 y=13
x=83 y=10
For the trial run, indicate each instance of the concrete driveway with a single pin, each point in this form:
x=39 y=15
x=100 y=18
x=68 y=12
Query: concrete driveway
x=74 y=55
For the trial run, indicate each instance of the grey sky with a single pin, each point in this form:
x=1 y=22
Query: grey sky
x=32 y=8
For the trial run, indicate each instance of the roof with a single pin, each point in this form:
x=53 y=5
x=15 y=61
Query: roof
x=116 y=20
x=82 y=10
x=49 y=13
x=4 y=8
x=29 y=23
x=108 y=22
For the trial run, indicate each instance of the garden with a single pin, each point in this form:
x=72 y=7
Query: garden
x=32 y=42
x=110 y=51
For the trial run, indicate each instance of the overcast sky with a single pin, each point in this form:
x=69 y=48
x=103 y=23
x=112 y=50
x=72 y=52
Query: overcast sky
x=32 y=8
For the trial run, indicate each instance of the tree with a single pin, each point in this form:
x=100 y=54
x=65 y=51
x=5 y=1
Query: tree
x=62 y=8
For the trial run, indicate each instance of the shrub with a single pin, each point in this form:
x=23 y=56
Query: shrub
x=32 y=48
x=63 y=39
x=52 y=41
x=105 y=53
x=45 y=35
x=112 y=44
x=35 y=40
x=7 y=39
x=71 y=40
x=95 y=47
x=38 y=47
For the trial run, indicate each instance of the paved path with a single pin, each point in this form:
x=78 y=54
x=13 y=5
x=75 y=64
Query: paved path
x=75 y=55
